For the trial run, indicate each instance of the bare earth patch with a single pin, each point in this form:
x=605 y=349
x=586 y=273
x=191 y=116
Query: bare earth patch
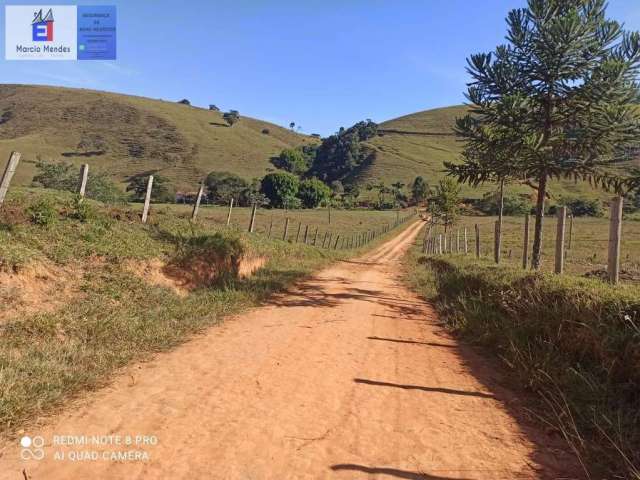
x=197 y=273
x=36 y=288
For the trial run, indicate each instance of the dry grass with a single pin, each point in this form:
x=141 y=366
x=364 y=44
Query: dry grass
x=184 y=143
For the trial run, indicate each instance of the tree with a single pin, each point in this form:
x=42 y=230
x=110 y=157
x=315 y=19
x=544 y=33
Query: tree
x=419 y=190
x=223 y=186
x=280 y=188
x=339 y=155
x=162 y=191
x=214 y=108
x=444 y=204
x=184 y=101
x=64 y=176
x=231 y=117
x=398 y=193
x=571 y=72
x=313 y=193
x=292 y=160
x=292 y=125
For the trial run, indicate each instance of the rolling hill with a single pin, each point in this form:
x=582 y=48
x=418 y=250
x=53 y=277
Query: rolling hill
x=127 y=135
x=418 y=143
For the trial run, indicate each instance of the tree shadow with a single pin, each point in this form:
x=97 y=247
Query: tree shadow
x=218 y=124
x=390 y=472
x=448 y=391
x=413 y=342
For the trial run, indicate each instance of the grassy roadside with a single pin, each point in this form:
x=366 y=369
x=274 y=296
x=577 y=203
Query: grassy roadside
x=114 y=317
x=574 y=343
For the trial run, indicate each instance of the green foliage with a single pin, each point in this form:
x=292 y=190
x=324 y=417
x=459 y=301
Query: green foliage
x=223 y=186
x=281 y=189
x=231 y=117
x=313 y=193
x=162 y=191
x=419 y=190
x=341 y=154
x=42 y=213
x=81 y=210
x=513 y=204
x=581 y=207
x=293 y=160
x=444 y=204
x=65 y=176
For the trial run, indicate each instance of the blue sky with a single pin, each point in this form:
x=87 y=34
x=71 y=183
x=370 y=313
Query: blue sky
x=320 y=63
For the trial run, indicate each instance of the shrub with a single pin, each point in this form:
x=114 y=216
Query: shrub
x=313 y=193
x=223 y=186
x=580 y=207
x=281 y=189
x=42 y=213
x=292 y=160
x=162 y=191
x=266 y=131
x=513 y=204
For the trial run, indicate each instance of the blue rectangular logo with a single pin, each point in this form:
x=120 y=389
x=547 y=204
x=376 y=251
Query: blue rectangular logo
x=96 y=32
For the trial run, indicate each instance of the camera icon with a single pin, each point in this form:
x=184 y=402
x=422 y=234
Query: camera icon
x=32 y=448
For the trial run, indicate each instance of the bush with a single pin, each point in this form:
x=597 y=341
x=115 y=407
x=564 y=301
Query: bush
x=266 y=131
x=513 y=204
x=313 y=193
x=292 y=160
x=223 y=186
x=582 y=208
x=42 y=213
x=162 y=191
x=281 y=189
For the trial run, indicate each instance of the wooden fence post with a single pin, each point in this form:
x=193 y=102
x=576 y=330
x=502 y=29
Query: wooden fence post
x=329 y=241
x=570 y=231
x=82 y=183
x=525 y=246
x=615 y=236
x=196 y=206
x=229 y=214
x=477 y=227
x=439 y=244
x=306 y=233
x=458 y=241
x=335 y=245
x=562 y=216
x=286 y=229
x=324 y=240
x=147 y=200
x=252 y=222
x=315 y=237
x=466 y=242
x=496 y=242
x=270 y=227
x=9 y=170
x=298 y=233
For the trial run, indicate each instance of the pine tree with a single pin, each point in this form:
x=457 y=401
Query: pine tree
x=573 y=73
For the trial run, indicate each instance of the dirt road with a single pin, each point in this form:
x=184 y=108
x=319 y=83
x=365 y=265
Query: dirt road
x=347 y=376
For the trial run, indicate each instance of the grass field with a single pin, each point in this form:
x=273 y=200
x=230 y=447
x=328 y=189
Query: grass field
x=588 y=250
x=139 y=134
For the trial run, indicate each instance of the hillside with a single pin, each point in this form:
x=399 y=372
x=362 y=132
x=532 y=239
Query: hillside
x=418 y=143
x=127 y=135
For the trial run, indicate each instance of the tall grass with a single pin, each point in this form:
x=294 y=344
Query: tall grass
x=574 y=342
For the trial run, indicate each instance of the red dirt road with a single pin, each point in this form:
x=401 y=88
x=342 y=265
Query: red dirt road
x=346 y=376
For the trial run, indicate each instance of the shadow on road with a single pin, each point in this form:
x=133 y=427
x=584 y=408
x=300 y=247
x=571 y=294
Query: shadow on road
x=449 y=391
x=391 y=472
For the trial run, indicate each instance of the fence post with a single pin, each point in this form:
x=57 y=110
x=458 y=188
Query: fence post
x=562 y=216
x=306 y=233
x=196 y=206
x=615 y=235
x=329 y=241
x=570 y=231
x=466 y=242
x=286 y=229
x=439 y=244
x=315 y=237
x=84 y=176
x=496 y=242
x=229 y=214
x=477 y=227
x=335 y=245
x=270 y=227
x=147 y=200
x=525 y=246
x=298 y=233
x=252 y=222
x=458 y=241
x=9 y=170
x=324 y=240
